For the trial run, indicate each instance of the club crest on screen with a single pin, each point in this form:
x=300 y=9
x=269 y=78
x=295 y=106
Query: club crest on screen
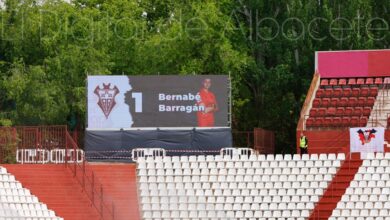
x=366 y=136
x=106 y=97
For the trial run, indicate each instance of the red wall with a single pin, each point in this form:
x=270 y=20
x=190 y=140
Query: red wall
x=332 y=141
x=335 y=64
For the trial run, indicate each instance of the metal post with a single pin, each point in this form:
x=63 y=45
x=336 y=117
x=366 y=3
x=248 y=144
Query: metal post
x=101 y=201
x=84 y=175
x=113 y=211
x=92 y=188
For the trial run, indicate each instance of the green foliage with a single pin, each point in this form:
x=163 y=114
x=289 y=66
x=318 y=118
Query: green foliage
x=267 y=47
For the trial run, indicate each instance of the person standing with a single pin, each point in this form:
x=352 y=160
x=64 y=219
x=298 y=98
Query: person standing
x=209 y=103
x=303 y=144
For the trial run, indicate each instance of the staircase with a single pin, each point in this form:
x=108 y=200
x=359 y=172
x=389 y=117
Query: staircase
x=120 y=184
x=337 y=188
x=54 y=185
x=381 y=109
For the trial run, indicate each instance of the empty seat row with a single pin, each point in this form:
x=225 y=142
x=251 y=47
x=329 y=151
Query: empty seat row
x=355 y=81
x=340 y=111
x=367 y=191
x=16 y=192
x=236 y=171
x=347 y=92
x=371 y=156
x=224 y=206
x=364 y=205
x=370 y=183
x=256 y=188
x=229 y=192
x=31 y=213
x=221 y=206
x=376 y=163
x=25 y=206
x=374 y=176
x=336 y=122
x=361 y=212
x=208 y=167
x=18 y=199
x=231 y=214
x=344 y=102
x=291 y=178
x=262 y=200
x=260 y=157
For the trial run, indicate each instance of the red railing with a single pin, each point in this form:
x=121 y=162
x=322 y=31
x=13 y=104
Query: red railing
x=88 y=181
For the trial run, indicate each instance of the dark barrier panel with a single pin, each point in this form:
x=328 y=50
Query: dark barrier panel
x=117 y=145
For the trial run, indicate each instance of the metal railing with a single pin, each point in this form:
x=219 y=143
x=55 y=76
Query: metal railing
x=88 y=181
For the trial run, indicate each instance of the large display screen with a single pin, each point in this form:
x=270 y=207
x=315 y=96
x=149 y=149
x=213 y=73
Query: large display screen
x=116 y=102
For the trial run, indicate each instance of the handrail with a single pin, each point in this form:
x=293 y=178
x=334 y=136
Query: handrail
x=88 y=181
x=308 y=101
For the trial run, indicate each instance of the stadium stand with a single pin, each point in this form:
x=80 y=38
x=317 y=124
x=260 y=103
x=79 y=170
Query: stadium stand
x=367 y=197
x=17 y=202
x=342 y=103
x=237 y=187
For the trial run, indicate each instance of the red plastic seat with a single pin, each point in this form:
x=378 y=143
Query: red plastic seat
x=318 y=122
x=342 y=82
x=360 y=81
x=333 y=82
x=363 y=122
x=369 y=81
x=370 y=101
x=324 y=82
x=351 y=82
x=348 y=111
x=355 y=92
x=327 y=122
x=345 y=121
x=313 y=112
x=340 y=111
x=320 y=93
x=316 y=103
x=366 y=111
x=362 y=101
x=343 y=102
x=328 y=92
x=364 y=92
x=337 y=92
x=333 y=102
x=373 y=91
x=331 y=111
x=325 y=102
x=358 y=111
x=336 y=121
x=321 y=112
x=354 y=122
x=379 y=81
x=309 y=122
x=352 y=101
x=347 y=92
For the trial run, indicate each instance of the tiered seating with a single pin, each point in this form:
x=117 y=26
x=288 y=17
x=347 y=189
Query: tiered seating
x=17 y=202
x=344 y=102
x=215 y=187
x=368 y=196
